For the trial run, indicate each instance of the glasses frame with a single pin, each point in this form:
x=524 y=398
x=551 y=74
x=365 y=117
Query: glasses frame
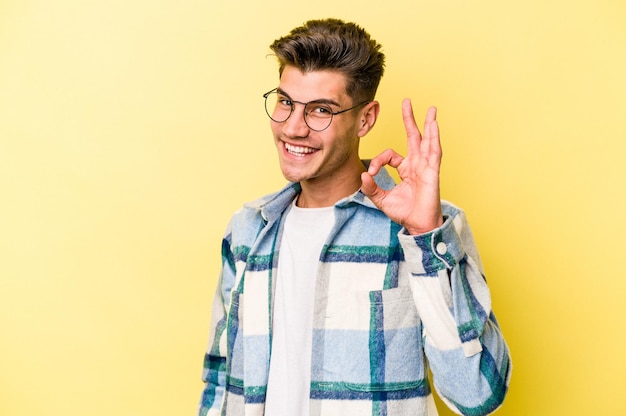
x=293 y=107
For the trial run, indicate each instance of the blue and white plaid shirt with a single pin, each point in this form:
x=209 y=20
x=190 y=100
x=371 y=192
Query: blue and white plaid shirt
x=388 y=306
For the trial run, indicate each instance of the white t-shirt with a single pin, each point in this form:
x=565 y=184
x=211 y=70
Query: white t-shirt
x=305 y=232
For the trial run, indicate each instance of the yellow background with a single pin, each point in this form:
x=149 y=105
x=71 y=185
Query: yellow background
x=131 y=130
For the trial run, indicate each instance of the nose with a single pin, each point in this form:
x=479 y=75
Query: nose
x=294 y=126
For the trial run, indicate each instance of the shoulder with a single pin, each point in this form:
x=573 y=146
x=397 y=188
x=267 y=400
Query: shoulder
x=449 y=209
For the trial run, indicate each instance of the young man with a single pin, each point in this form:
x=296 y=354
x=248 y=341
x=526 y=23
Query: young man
x=340 y=292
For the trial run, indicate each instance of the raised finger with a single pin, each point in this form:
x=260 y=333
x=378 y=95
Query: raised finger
x=430 y=142
x=413 y=136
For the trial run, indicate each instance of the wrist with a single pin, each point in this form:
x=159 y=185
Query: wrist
x=419 y=230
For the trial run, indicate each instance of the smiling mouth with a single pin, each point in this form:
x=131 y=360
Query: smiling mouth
x=299 y=150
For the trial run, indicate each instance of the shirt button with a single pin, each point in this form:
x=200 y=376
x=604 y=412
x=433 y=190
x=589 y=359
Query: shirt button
x=441 y=248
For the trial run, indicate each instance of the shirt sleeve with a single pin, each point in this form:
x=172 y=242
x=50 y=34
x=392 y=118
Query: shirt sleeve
x=465 y=348
x=214 y=368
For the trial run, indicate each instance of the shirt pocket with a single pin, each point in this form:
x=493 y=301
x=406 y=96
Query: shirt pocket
x=375 y=343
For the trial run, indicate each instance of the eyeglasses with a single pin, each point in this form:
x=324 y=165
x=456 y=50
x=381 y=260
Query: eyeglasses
x=317 y=114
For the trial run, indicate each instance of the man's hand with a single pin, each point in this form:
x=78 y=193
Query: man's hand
x=415 y=202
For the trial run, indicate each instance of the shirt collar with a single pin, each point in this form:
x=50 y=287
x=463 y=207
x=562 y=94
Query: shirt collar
x=273 y=205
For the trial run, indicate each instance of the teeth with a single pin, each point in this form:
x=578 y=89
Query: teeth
x=298 y=150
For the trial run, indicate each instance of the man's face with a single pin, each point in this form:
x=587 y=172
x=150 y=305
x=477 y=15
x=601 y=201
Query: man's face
x=308 y=155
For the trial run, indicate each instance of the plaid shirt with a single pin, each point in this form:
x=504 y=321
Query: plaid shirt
x=388 y=306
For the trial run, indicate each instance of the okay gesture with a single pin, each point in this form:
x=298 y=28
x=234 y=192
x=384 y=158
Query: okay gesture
x=415 y=202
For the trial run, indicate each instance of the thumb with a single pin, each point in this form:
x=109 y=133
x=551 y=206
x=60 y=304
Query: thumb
x=371 y=189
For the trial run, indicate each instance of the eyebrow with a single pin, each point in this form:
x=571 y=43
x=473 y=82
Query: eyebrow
x=328 y=101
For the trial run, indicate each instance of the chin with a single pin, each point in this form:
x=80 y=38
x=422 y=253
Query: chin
x=291 y=177
x=293 y=174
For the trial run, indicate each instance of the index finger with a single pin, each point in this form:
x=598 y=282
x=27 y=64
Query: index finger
x=388 y=157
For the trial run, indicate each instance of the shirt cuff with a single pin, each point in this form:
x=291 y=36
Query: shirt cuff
x=436 y=250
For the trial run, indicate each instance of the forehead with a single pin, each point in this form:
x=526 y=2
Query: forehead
x=313 y=85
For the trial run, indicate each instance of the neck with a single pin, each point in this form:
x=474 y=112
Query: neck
x=318 y=193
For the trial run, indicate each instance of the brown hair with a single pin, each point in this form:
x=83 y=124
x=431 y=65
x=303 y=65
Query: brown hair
x=332 y=44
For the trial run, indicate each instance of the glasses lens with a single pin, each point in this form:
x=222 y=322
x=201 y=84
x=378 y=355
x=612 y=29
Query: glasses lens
x=318 y=116
x=277 y=106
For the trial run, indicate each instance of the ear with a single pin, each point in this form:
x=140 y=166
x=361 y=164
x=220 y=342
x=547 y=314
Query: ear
x=367 y=118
